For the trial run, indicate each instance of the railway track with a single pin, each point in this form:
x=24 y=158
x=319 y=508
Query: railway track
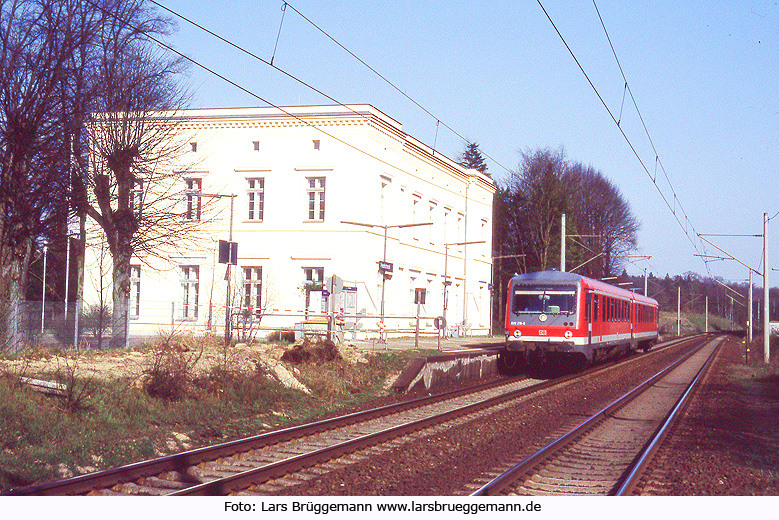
x=299 y=452
x=606 y=454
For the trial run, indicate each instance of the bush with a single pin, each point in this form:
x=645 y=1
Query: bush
x=169 y=375
x=311 y=351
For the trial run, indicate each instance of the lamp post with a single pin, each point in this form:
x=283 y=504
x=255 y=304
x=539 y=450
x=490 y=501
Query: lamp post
x=385 y=227
x=447 y=283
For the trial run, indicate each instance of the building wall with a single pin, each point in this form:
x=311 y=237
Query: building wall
x=373 y=173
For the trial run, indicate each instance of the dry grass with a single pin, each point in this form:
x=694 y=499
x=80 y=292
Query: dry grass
x=103 y=421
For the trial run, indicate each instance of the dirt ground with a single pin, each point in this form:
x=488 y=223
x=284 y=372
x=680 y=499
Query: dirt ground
x=728 y=442
x=132 y=364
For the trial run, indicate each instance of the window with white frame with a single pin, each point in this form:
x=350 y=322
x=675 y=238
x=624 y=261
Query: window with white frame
x=192 y=198
x=190 y=286
x=135 y=291
x=252 y=289
x=255 y=193
x=315 y=191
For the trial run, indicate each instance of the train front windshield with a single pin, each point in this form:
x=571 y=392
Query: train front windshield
x=547 y=300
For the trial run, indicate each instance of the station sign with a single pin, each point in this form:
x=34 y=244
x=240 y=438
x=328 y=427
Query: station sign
x=385 y=267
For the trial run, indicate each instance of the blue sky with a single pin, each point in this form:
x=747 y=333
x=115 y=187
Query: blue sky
x=705 y=77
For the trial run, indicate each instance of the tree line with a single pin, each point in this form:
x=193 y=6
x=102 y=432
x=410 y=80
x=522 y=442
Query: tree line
x=600 y=237
x=528 y=209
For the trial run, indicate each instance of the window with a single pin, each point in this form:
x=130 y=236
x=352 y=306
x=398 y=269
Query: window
x=256 y=145
x=193 y=146
x=252 y=289
x=135 y=291
x=314 y=274
x=256 y=197
x=192 y=199
x=316 y=198
x=316 y=144
x=548 y=300
x=136 y=197
x=190 y=286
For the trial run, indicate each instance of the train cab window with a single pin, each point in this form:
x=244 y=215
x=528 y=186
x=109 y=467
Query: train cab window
x=548 y=300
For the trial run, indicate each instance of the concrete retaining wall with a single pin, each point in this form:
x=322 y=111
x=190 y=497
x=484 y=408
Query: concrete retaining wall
x=427 y=373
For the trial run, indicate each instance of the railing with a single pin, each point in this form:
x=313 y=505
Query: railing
x=27 y=324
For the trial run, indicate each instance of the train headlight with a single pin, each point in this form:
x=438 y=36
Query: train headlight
x=517 y=333
x=568 y=334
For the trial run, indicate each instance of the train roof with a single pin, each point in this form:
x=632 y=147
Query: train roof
x=561 y=277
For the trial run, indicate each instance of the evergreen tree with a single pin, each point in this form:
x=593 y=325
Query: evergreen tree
x=472 y=158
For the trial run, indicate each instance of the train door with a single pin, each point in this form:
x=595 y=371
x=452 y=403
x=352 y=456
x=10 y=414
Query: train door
x=589 y=310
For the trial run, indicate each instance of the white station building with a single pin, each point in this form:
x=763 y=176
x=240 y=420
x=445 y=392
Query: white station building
x=316 y=197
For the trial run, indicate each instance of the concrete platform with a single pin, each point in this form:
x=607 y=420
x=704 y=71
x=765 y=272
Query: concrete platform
x=459 y=359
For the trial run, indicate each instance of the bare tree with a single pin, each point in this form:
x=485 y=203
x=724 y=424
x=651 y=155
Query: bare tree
x=135 y=141
x=600 y=227
x=541 y=197
x=36 y=40
x=604 y=217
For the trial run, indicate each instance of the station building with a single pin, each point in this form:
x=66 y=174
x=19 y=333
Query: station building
x=334 y=211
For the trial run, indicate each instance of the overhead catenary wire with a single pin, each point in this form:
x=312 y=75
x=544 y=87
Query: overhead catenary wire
x=627 y=139
x=257 y=96
x=391 y=84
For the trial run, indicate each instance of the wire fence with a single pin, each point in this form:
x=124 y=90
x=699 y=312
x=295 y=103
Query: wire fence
x=29 y=324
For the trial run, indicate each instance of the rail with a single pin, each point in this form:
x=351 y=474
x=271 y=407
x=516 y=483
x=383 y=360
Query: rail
x=505 y=480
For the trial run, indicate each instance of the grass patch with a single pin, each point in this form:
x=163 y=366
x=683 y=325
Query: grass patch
x=109 y=422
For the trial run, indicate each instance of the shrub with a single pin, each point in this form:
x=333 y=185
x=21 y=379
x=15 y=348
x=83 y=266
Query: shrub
x=169 y=375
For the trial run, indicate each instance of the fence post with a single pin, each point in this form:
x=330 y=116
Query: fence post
x=172 y=317
x=15 y=334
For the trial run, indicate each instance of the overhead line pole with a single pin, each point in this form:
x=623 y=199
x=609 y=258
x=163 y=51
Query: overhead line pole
x=766 y=320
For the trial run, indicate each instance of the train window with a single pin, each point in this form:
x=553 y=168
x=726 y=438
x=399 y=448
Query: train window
x=595 y=308
x=587 y=306
x=549 y=300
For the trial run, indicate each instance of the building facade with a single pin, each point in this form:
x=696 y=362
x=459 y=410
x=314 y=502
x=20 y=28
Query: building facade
x=334 y=210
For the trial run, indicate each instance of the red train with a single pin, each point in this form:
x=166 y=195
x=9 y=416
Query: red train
x=558 y=316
